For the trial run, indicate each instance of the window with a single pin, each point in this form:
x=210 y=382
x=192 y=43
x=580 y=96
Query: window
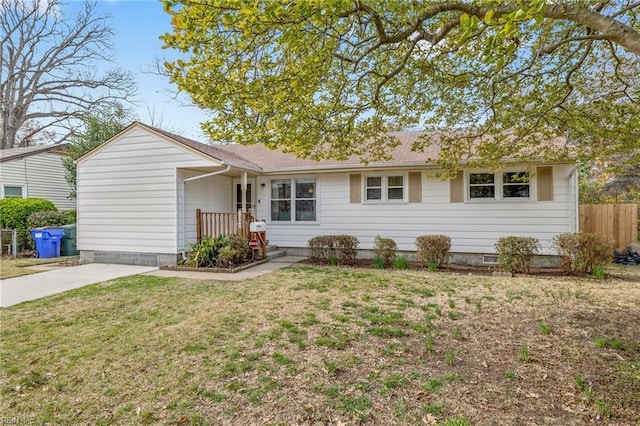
x=302 y=201
x=384 y=188
x=395 y=188
x=374 y=188
x=482 y=185
x=499 y=186
x=12 y=191
x=515 y=185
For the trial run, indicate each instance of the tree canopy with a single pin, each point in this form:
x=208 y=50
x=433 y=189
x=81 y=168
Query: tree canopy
x=329 y=78
x=48 y=76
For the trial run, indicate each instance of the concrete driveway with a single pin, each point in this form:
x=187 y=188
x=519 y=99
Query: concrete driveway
x=31 y=287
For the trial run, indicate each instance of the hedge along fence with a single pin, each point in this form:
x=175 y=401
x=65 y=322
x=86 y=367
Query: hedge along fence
x=15 y=212
x=341 y=249
x=583 y=251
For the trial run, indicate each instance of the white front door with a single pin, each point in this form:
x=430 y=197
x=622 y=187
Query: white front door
x=251 y=196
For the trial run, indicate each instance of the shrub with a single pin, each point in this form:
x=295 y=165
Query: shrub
x=71 y=216
x=49 y=218
x=342 y=248
x=433 y=249
x=401 y=263
x=237 y=251
x=205 y=254
x=515 y=254
x=15 y=212
x=582 y=251
x=385 y=249
x=378 y=263
x=320 y=248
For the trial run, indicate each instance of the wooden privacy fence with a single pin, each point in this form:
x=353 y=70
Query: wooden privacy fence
x=618 y=222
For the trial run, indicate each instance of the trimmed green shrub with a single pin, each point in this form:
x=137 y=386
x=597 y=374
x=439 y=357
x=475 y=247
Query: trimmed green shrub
x=385 y=249
x=581 y=252
x=515 y=254
x=15 y=212
x=342 y=248
x=48 y=218
x=433 y=249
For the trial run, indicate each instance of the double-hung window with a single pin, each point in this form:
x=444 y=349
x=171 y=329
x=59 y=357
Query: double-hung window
x=385 y=188
x=293 y=200
x=499 y=186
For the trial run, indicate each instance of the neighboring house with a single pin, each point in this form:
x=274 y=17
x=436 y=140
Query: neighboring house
x=35 y=172
x=138 y=194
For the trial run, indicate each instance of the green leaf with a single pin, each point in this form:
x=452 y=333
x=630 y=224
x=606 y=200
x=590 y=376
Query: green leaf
x=488 y=16
x=464 y=20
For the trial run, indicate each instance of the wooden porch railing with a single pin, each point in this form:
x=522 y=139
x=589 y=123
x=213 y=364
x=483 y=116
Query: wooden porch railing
x=211 y=224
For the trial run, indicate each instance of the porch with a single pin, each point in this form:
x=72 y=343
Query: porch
x=214 y=224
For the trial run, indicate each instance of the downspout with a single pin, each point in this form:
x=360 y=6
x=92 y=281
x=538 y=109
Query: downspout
x=576 y=196
x=183 y=205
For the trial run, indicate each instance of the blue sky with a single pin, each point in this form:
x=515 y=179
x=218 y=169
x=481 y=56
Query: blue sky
x=137 y=25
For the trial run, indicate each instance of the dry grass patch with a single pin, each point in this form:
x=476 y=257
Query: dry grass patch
x=311 y=345
x=14 y=267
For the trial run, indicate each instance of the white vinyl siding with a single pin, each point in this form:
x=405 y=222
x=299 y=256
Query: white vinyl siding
x=128 y=197
x=474 y=227
x=41 y=176
x=209 y=194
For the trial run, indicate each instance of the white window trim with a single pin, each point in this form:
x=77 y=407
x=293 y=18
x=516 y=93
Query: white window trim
x=292 y=199
x=385 y=187
x=24 y=189
x=498 y=183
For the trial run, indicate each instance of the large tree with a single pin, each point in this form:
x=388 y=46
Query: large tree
x=48 y=74
x=329 y=78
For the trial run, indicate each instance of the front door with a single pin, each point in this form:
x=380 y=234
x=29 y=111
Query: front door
x=250 y=197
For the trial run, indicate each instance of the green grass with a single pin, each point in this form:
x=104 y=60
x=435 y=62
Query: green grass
x=310 y=345
x=16 y=267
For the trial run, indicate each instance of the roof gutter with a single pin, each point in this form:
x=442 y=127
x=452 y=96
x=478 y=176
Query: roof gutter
x=183 y=204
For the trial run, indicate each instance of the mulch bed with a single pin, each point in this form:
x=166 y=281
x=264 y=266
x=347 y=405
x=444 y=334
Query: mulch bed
x=235 y=268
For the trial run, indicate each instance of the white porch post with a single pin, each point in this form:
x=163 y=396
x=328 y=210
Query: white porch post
x=244 y=192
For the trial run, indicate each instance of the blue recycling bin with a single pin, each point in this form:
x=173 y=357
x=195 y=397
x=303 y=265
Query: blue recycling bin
x=47 y=241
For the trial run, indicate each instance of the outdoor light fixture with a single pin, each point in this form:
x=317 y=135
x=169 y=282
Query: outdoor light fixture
x=262 y=185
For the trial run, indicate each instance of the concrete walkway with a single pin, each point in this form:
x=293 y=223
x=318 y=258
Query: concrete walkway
x=31 y=287
x=256 y=271
x=55 y=279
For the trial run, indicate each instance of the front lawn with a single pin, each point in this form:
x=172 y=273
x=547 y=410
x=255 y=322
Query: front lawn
x=14 y=267
x=326 y=345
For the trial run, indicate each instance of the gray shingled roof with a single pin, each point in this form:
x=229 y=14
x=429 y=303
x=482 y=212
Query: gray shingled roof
x=16 y=153
x=261 y=159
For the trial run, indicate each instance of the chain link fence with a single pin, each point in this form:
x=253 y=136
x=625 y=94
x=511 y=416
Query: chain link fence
x=17 y=243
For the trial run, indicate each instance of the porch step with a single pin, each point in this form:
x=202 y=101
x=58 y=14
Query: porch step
x=274 y=254
x=271 y=248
